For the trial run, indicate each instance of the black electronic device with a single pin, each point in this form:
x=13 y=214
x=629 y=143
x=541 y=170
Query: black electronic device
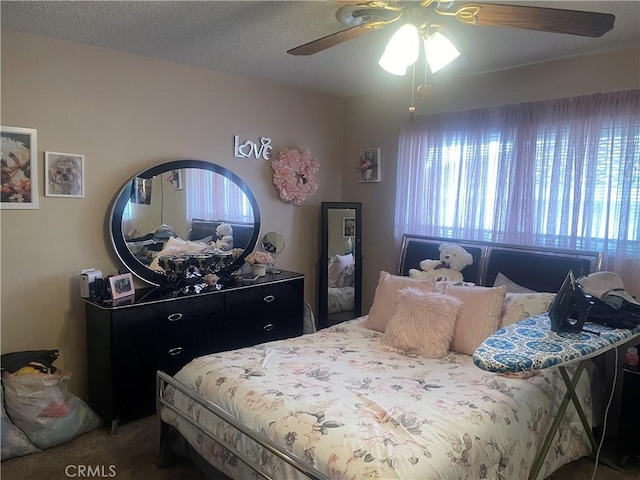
x=570 y=307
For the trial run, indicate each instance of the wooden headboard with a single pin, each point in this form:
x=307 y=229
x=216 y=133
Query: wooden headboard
x=536 y=268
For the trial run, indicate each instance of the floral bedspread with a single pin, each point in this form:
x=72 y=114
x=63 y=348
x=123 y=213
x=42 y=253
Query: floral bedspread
x=356 y=409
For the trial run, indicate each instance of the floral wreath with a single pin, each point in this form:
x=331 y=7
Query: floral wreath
x=295 y=175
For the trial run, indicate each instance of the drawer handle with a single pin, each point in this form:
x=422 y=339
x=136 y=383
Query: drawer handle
x=268 y=327
x=175 y=351
x=269 y=298
x=174 y=317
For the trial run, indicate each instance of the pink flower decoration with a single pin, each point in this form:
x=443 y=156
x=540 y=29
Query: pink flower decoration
x=295 y=175
x=363 y=164
x=262 y=258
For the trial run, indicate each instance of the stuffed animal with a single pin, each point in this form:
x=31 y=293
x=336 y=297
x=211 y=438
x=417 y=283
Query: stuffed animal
x=224 y=234
x=453 y=259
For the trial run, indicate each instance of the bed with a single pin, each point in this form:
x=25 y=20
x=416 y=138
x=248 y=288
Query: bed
x=341 y=403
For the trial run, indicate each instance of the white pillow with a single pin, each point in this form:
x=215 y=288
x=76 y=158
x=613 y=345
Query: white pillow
x=512 y=287
x=337 y=267
x=518 y=306
x=177 y=246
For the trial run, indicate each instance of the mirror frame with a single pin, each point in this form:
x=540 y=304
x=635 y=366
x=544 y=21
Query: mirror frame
x=115 y=220
x=323 y=276
x=277 y=251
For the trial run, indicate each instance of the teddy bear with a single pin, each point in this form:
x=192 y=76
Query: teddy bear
x=224 y=235
x=453 y=259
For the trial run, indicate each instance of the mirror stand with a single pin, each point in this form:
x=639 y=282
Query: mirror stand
x=340 y=269
x=273 y=243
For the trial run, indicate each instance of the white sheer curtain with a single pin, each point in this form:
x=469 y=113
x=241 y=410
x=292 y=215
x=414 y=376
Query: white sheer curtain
x=211 y=196
x=561 y=173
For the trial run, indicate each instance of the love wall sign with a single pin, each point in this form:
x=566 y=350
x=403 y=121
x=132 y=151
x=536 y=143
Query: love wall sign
x=249 y=148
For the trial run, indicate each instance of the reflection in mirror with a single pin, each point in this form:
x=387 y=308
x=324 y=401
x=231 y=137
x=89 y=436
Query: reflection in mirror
x=273 y=242
x=341 y=267
x=181 y=209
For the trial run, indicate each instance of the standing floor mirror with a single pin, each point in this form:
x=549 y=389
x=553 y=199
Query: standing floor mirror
x=340 y=269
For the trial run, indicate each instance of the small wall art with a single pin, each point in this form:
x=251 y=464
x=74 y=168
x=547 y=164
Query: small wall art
x=64 y=175
x=348 y=227
x=19 y=168
x=175 y=179
x=141 y=191
x=369 y=165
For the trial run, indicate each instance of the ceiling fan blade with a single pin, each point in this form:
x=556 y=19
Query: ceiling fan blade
x=573 y=22
x=323 y=43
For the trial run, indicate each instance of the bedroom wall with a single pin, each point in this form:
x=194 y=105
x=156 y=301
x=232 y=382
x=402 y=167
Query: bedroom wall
x=374 y=121
x=127 y=113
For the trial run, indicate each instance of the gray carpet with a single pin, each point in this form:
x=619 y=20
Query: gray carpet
x=131 y=453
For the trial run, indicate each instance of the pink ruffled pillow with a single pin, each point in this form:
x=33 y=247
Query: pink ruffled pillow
x=387 y=296
x=424 y=323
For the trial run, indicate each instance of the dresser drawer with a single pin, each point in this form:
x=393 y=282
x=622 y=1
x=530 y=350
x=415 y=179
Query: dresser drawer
x=264 y=313
x=191 y=331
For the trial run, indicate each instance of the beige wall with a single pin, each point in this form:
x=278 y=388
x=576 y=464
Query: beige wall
x=126 y=113
x=374 y=121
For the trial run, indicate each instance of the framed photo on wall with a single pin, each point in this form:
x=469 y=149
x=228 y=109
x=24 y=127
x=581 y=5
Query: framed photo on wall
x=348 y=227
x=369 y=165
x=64 y=175
x=121 y=285
x=19 y=168
x=141 y=191
x=175 y=179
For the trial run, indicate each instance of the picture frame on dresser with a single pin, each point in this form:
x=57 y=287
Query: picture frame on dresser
x=20 y=168
x=121 y=286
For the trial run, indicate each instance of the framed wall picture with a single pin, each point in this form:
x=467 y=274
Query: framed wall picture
x=121 y=285
x=369 y=165
x=175 y=179
x=348 y=227
x=64 y=175
x=141 y=191
x=19 y=168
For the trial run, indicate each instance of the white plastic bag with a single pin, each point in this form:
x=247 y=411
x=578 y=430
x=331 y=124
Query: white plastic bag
x=44 y=409
x=14 y=442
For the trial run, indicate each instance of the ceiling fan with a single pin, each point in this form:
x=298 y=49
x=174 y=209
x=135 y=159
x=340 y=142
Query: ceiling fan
x=365 y=16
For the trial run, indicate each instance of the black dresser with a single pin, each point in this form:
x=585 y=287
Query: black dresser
x=629 y=432
x=128 y=343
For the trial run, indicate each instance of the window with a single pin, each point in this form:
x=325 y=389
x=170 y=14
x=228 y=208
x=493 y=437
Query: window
x=562 y=173
x=212 y=196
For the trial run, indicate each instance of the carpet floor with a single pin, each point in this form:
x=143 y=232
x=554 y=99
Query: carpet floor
x=130 y=454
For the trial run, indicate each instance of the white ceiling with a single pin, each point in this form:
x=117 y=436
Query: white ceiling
x=251 y=38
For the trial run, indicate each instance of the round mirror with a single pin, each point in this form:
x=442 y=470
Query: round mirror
x=273 y=242
x=177 y=208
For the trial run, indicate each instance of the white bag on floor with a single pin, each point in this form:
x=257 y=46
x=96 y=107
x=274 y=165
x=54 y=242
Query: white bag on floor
x=13 y=441
x=44 y=409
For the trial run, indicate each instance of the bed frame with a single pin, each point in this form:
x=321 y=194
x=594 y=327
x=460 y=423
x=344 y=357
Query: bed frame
x=167 y=432
x=549 y=268
x=536 y=268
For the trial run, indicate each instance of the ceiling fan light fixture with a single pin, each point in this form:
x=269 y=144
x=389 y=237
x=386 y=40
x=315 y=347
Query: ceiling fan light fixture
x=440 y=51
x=402 y=50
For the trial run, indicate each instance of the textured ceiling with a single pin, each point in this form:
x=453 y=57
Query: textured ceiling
x=251 y=38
